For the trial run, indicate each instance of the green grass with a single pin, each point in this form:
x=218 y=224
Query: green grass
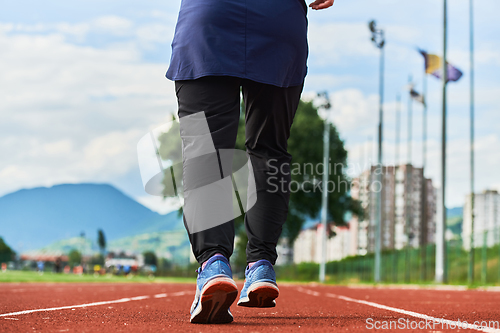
x=27 y=277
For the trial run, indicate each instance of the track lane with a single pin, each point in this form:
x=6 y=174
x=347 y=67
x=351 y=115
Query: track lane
x=164 y=310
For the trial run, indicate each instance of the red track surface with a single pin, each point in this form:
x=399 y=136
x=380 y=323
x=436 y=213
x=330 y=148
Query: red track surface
x=299 y=308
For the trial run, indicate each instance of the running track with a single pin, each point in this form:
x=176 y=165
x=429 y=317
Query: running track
x=303 y=308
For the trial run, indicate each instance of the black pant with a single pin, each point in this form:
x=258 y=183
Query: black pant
x=269 y=115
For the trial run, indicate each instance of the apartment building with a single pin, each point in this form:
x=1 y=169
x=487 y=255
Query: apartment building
x=486 y=219
x=408 y=208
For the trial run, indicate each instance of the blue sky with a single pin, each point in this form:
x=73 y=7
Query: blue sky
x=82 y=82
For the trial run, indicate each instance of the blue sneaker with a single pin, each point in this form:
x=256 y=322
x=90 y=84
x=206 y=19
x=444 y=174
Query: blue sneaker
x=215 y=292
x=260 y=289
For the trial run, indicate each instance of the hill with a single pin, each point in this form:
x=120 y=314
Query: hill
x=454 y=212
x=454 y=220
x=172 y=245
x=33 y=218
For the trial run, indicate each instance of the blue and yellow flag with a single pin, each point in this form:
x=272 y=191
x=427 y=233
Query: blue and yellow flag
x=434 y=66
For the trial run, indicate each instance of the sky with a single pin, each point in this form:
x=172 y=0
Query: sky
x=82 y=82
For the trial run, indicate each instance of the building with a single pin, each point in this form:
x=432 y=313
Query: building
x=486 y=219
x=408 y=216
x=308 y=245
x=408 y=210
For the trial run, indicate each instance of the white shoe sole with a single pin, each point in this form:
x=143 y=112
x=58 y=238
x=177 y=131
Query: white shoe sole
x=260 y=295
x=216 y=298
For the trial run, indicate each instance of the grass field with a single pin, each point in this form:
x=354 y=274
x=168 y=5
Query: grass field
x=28 y=276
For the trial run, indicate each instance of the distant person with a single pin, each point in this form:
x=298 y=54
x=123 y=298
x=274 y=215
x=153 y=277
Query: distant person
x=40 y=266
x=261 y=47
x=57 y=265
x=97 y=270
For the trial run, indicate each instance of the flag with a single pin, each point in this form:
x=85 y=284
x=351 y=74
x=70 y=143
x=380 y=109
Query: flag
x=434 y=64
x=416 y=96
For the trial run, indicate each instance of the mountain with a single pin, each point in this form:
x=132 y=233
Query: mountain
x=172 y=245
x=454 y=212
x=455 y=219
x=33 y=218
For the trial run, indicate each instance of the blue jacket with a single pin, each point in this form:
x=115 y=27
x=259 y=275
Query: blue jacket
x=260 y=40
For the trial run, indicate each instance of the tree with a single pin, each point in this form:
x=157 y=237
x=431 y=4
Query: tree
x=74 y=258
x=101 y=240
x=97 y=259
x=150 y=258
x=6 y=253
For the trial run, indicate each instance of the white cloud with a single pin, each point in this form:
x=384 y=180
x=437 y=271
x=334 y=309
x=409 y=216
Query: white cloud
x=115 y=25
x=362 y=154
x=58 y=148
x=353 y=113
x=71 y=110
x=159 y=204
x=73 y=113
x=333 y=42
x=156 y=32
x=356 y=117
x=319 y=82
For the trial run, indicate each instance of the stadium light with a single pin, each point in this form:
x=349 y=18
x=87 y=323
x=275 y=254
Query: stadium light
x=324 y=197
x=378 y=39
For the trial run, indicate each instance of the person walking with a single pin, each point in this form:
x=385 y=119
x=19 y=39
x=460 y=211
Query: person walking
x=260 y=47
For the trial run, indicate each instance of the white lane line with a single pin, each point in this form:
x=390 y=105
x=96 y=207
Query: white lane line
x=73 y=307
x=180 y=293
x=409 y=313
x=11 y=318
x=160 y=295
x=139 y=298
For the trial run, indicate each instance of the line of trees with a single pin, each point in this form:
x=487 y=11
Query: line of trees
x=6 y=252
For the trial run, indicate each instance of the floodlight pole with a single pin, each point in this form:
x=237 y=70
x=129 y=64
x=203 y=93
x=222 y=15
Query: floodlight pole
x=324 y=194
x=471 y=253
x=396 y=168
x=398 y=130
x=441 y=266
x=410 y=120
x=378 y=39
x=409 y=187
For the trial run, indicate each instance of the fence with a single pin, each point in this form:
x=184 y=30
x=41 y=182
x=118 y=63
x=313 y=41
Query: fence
x=417 y=265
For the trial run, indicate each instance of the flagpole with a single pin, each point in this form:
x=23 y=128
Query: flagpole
x=398 y=129
x=424 y=226
x=441 y=269
x=471 y=253
x=424 y=127
x=396 y=167
x=410 y=116
x=408 y=184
